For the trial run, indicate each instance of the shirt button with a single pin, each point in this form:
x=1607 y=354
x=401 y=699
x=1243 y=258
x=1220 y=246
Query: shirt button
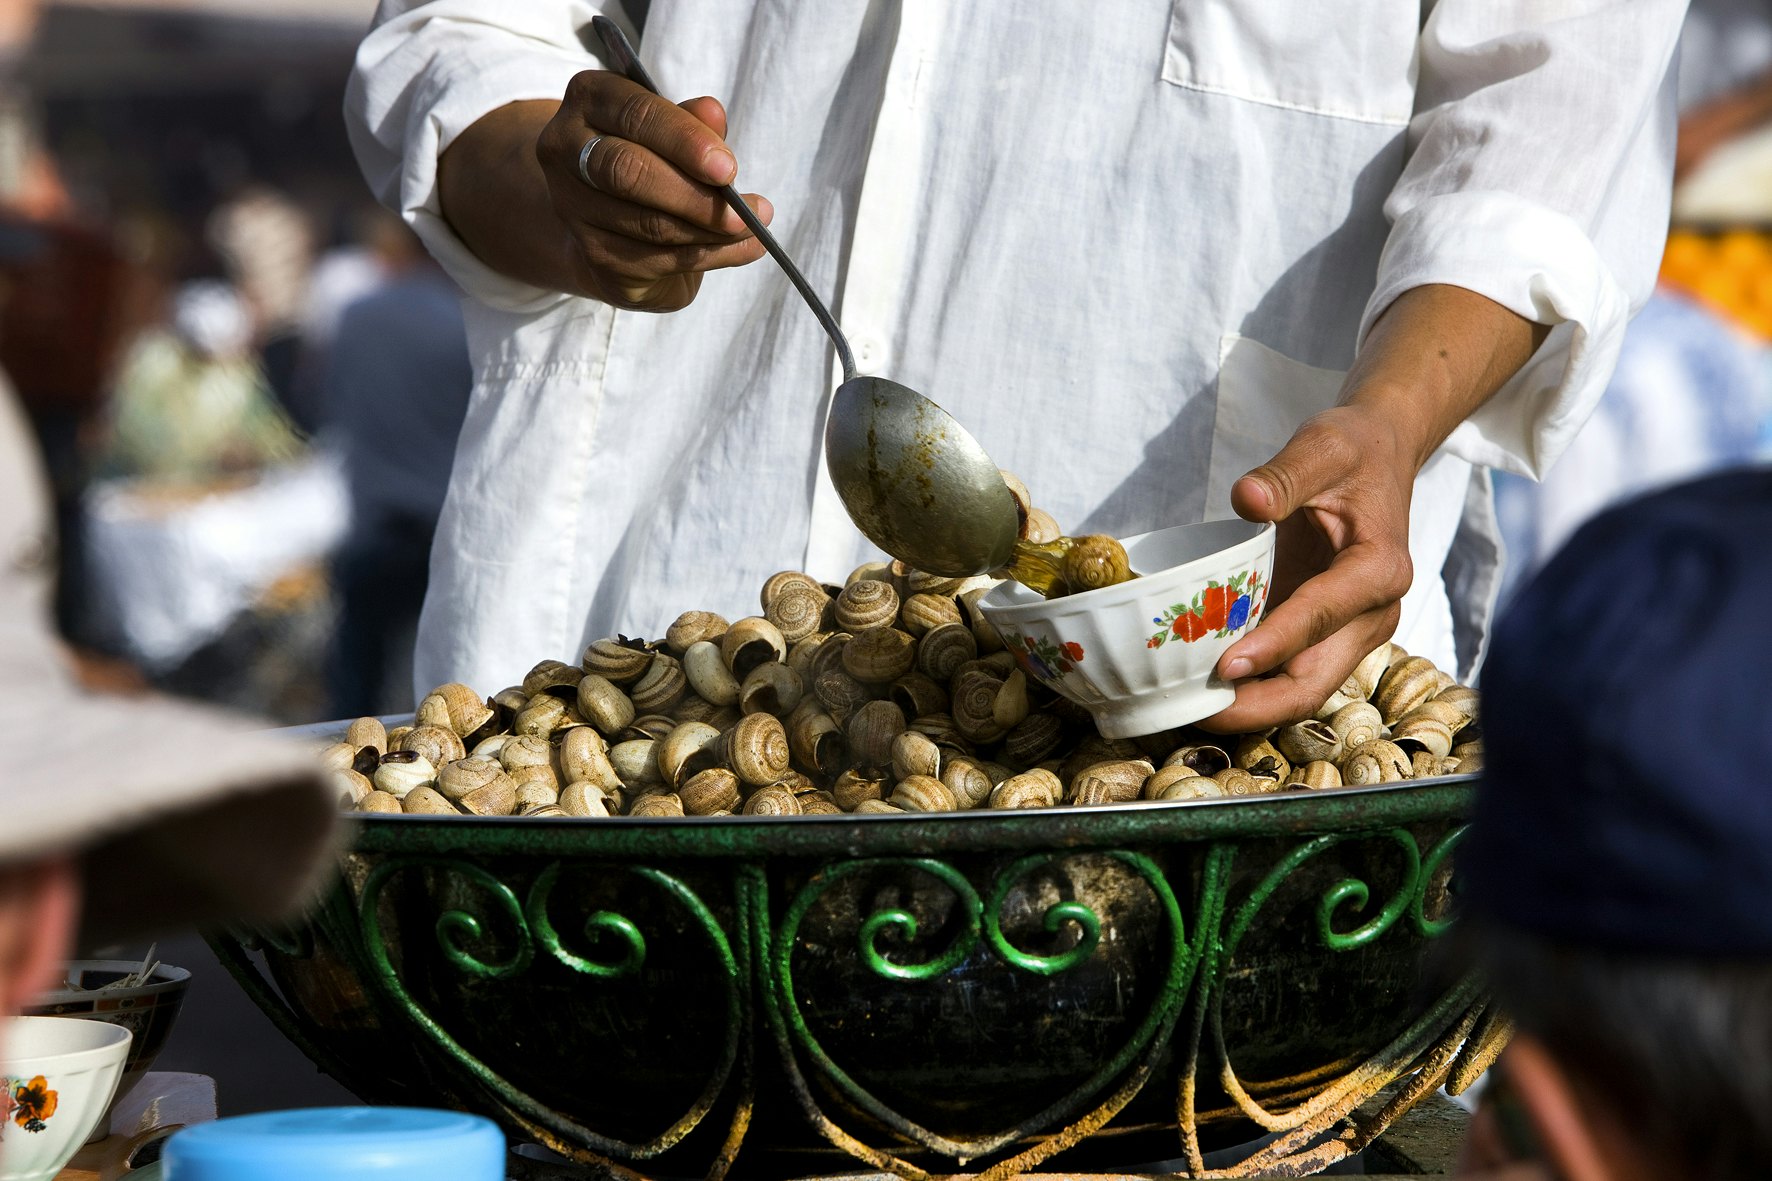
x=870 y=353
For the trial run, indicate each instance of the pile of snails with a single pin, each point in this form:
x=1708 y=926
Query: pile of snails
x=888 y=694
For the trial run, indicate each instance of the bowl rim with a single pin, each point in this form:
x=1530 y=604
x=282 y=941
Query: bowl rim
x=166 y=978
x=113 y=1041
x=1123 y=593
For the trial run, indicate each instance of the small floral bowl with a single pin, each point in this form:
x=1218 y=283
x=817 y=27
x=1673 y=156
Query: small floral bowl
x=1140 y=656
x=57 y=1076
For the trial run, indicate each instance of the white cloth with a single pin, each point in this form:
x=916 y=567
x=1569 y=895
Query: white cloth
x=1057 y=221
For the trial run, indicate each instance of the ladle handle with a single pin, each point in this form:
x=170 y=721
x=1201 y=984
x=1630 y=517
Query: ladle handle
x=628 y=62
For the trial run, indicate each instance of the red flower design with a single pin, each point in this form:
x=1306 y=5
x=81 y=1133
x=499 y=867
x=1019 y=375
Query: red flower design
x=1215 y=602
x=1072 y=649
x=1189 y=627
x=1153 y=642
x=1029 y=641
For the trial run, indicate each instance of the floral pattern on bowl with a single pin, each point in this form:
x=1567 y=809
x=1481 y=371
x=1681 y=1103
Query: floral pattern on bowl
x=29 y=1103
x=1042 y=659
x=1219 y=610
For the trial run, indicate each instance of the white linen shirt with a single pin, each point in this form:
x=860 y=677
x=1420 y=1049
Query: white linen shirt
x=1130 y=246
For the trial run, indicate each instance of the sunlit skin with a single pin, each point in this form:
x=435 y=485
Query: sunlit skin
x=39 y=903
x=653 y=225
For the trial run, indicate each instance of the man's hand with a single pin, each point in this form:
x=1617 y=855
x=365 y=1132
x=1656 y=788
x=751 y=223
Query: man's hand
x=1340 y=492
x=645 y=229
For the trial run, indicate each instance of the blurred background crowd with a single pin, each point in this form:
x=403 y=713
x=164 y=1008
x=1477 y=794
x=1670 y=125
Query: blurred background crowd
x=247 y=377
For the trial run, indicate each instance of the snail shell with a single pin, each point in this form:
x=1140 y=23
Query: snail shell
x=1094 y=561
x=867 y=604
x=1469 y=756
x=984 y=632
x=1180 y=783
x=750 y=642
x=497 y=798
x=685 y=751
x=868 y=807
x=708 y=674
x=853 y=788
x=1031 y=789
x=785 y=580
x=693 y=708
x=771 y=688
x=841 y=694
x=529 y=751
x=491 y=748
x=544 y=714
x=636 y=763
x=457 y=779
x=467 y=711
x=1424 y=764
x=710 y=791
x=1308 y=742
x=507 y=702
x=922 y=582
x=352 y=786
x=816 y=741
x=974 y=706
x=757 y=749
x=919 y=695
x=827 y=657
x=620 y=659
x=915 y=754
x=1042 y=526
x=1356 y=724
x=1261 y=758
x=1460 y=697
x=923 y=793
x=432 y=711
x=661 y=687
x=1024 y=503
x=532 y=795
x=694 y=627
x=1377 y=761
x=648 y=726
x=436 y=743
x=1336 y=702
x=1405 y=685
x=818 y=803
x=1446 y=713
x=425 y=801
x=1110 y=783
x=798 y=610
x=402 y=770
x=604 y=705
x=871 y=731
x=1238 y=782
x=879 y=571
x=1363 y=681
x=1096 y=749
x=923 y=613
x=1315 y=775
x=542 y=811
x=379 y=801
x=1418 y=731
x=879 y=655
x=1033 y=739
x=803 y=654
x=941 y=729
x=367 y=732
x=586 y=799
x=551 y=674
x=395 y=735
x=338 y=757
x=970 y=782
x=1011 y=704
x=657 y=804
x=541 y=774
x=943 y=649
x=1202 y=758
x=772 y=801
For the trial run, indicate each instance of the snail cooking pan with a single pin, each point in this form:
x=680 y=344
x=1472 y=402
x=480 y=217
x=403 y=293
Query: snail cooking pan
x=902 y=991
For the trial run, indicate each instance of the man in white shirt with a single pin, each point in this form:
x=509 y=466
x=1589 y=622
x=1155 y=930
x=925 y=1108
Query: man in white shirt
x=1167 y=260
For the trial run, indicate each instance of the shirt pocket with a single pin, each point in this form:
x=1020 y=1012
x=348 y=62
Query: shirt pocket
x=1263 y=396
x=1351 y=59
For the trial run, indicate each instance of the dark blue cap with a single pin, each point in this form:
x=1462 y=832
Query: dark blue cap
x=339 y=1144
x=1626 y=802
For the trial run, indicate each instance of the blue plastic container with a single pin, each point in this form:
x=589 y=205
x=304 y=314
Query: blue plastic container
x=339 y=1144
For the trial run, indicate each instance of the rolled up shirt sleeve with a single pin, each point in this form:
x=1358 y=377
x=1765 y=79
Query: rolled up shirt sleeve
x=428 y=70
x=1539 y=171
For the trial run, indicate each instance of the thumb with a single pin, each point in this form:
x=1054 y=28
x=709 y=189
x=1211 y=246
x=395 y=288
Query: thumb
x=1310 y=463
x=709 y=111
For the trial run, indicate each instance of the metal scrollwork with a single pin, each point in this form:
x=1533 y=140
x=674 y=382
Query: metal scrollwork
x=1086 y=920
x=1430 y=868
x=532 y=924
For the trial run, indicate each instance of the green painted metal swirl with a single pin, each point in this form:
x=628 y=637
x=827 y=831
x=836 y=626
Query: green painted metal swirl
x=1430 y=865
x=1055 y=918
x=900 y=920
x=602 y=923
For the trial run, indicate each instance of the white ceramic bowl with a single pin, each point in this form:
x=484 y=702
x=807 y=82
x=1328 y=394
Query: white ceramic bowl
x=1140 y=656
x=59 y=1075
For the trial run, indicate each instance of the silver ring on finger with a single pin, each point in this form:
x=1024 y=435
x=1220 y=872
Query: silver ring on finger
x=584 y=159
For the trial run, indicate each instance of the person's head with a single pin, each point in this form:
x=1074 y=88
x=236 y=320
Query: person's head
x=1618 y=871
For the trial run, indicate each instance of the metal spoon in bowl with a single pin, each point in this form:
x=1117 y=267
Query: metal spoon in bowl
x=914 y=481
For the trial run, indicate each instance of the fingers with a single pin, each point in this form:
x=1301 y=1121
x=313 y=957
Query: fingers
x=1307 y=680
x=1318 y=457
x=611 y=104
x=1363 y=578
x=641 y=223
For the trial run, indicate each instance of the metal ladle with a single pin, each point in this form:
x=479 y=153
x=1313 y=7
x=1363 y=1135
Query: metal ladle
x=915 y=482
